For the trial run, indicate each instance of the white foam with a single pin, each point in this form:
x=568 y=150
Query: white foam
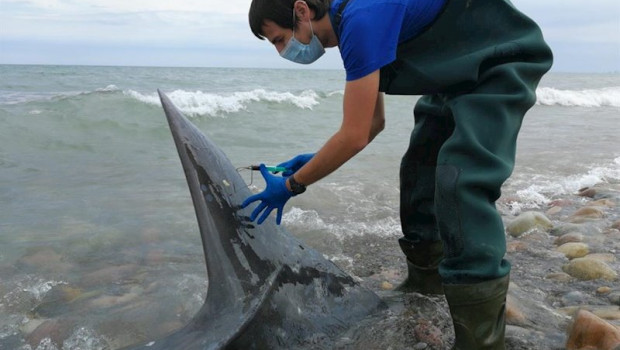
x=41 y=287
x=109 y=88
x=347 y=227
x=201 y=103
x=609 y=96
x=542 y=190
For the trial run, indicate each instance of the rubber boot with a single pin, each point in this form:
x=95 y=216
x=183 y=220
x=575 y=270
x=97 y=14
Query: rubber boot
x=478 y=313
x=423 y=260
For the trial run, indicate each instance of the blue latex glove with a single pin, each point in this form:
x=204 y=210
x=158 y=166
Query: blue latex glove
x=273 y=197
x=295 y=164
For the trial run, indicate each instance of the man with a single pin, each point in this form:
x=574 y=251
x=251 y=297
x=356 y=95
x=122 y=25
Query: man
x=477 y=63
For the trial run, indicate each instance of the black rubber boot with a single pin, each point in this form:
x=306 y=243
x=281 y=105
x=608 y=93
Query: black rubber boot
x=478 y=313
x=423 y=260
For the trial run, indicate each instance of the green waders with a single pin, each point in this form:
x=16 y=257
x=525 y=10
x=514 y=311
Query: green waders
x=477 y=66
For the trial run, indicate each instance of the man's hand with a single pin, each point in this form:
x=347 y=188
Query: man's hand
x=295 y=164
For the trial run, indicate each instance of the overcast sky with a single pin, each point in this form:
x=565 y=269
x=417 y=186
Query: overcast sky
x=585 y=35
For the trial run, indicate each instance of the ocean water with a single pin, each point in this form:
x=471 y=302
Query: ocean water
x=98 y=238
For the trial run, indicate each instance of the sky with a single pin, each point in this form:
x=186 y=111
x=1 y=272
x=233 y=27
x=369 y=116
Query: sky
x=584 y=35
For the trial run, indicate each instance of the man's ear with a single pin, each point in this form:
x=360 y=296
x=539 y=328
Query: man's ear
x=302 y=11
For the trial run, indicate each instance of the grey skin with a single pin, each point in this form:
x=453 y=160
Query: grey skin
x=266 y=289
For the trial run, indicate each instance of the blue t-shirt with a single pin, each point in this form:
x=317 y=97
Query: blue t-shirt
x=370 y=30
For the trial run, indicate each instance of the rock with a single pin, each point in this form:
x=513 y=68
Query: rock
x=614 y=298
x=616 y=225
x=427 y=333
x=587 y=192
x=527 y=221
x=568 y=238
x=55 y=331
x=516 y=246
x=560 y=203
x=553 y=211
x=585 y=214
x=604 y=257
x=514 y=313
x=387 y=285
x=603 y=290
x=565 y=228
x=591 y=332
x=109 y=275
x=606 y=312
x=602 y=203
x=574 y=250
x=44 y=259
x=559 y=276
x=589 y=269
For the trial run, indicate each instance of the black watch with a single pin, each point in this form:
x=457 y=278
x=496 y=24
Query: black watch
x=296 y=187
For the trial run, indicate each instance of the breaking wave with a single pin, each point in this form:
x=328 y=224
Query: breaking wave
x=202 y=103
x=604 y=97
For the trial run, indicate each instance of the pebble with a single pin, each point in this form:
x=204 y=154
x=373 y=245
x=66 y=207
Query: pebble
x=574 y=250
x=587 y=192
x=427 y=333
x=591 y=332
x=586 y=213
x=559 y=276
x=516 y=246
x=565 y=228
x=44 y=260
x=616 y=225
x=614 y=298
x=604 y=257
x=603 y=290
x=589 y=269
x=514 y=313
x=568 y=238
x=527 y=221
x=387 y=285
x=602 y=203
x=553 y=211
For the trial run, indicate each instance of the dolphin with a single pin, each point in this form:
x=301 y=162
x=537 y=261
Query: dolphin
x=266 y=289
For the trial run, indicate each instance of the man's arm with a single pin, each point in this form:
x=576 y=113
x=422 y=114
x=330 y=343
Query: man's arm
x=363 y=118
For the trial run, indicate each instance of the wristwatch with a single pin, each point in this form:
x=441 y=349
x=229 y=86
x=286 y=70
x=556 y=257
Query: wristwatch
x=296 y=187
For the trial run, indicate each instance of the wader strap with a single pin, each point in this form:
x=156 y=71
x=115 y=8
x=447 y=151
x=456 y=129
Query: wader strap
x=338 y=16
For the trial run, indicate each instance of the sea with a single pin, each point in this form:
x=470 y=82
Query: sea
x=99 y=244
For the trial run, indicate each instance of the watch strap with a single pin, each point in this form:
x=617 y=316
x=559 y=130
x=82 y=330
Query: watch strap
x=296 y=187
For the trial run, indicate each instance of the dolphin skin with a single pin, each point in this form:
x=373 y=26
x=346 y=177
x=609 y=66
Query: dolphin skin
x=266 y=289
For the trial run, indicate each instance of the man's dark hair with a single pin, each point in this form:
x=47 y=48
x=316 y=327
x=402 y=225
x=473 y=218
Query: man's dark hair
x=280 y=12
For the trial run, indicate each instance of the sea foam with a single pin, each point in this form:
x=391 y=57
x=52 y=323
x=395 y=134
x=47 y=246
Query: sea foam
x=604 y=97
x=202 y=103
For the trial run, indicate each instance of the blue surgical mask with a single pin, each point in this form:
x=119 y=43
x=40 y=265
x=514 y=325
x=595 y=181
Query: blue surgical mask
x=299 y=52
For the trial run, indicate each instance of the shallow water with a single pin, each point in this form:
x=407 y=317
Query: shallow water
x=98 y=238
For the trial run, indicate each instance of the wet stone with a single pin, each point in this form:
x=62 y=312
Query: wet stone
x=604 y=257
x=587 y=192
x=589 y=269
x=568 y=238
x=559 y=276
x=566 y=228
x=586 y=213
x=604 y=202
x=591 y=332
x=574 y=250
x=427 y=333
x=614 y=298
x=528 y=221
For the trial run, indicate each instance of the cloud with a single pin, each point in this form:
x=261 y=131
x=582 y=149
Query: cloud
x=584 y=38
